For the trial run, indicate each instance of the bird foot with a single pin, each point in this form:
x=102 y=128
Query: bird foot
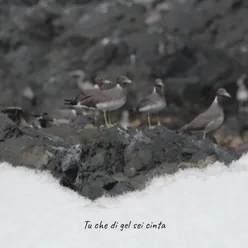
x=110 y=125
x=152 y=127
x=107 y=126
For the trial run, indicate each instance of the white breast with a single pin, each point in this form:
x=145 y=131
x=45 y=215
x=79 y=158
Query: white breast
x=156 y=107
x=111 y=105
x=214 y=124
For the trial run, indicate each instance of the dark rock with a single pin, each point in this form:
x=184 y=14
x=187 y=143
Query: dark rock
x=8 y=129
x=104 y=161
x=115 y=160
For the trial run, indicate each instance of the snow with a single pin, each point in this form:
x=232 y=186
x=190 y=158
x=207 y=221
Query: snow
x=199 y=208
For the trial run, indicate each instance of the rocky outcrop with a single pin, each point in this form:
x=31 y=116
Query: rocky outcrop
x=112 y=161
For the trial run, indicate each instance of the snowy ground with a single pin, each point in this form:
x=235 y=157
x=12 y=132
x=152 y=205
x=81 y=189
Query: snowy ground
x=200 y=208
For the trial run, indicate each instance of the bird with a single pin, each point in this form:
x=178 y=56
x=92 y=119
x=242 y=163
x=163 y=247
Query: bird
x=210 y=120
x=153 y=103
x=56 y=117
x=80 y=80
x=76 y=101
x=17 y=115
x=79 y=102
x=105 y=100
x=242 y=94
x=117 y=96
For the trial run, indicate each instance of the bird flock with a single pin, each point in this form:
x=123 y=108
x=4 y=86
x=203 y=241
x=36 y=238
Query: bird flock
x=105 y=96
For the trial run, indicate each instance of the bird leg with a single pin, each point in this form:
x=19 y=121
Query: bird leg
x=95 y=120
x=149 y=121
x=109 y=120
x=204 y=135
x=105 y=118
x=158 y=120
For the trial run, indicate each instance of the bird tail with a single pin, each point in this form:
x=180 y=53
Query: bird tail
x=70 y=102
x=183 y=128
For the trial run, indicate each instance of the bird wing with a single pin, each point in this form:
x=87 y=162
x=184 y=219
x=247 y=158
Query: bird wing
x=90 y=91
x=148 y=100
x=202 y=120
x=113 y=93
x=92 y=100
x=143 y=102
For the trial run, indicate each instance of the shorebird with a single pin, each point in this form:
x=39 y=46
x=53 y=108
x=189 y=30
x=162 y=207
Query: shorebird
x=116 y=97
x=56 y=117
x=242 y=94
x=212 y=119
x=17 y=115
x=105 y=100
x=87 y=92
x=154 y=102
x=80 y=80
x=83 y=101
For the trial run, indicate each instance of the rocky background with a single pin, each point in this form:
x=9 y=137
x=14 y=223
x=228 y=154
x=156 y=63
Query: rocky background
x=195 y=46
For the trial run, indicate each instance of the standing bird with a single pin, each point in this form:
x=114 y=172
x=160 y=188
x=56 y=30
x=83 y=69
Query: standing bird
x=105 y=100
x=80 y=80
x=56 y=117
x=99 y=85
x=153 y=103
x=117 y=96
x=212 y=119
x=89 y=89
x=242 y=94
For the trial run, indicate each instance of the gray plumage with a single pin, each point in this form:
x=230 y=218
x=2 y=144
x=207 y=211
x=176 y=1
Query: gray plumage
x=153 y=103
x=212 y=118
x=103 y=100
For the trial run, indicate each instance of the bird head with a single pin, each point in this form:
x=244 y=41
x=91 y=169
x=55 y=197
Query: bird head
x=159 y=82
x=100 y=82
x=222 y=92
x=123 y=80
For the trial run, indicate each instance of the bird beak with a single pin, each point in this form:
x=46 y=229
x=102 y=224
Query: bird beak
x=161 y=84
x=130 y=82
x=108 y=82
x=226 y=94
